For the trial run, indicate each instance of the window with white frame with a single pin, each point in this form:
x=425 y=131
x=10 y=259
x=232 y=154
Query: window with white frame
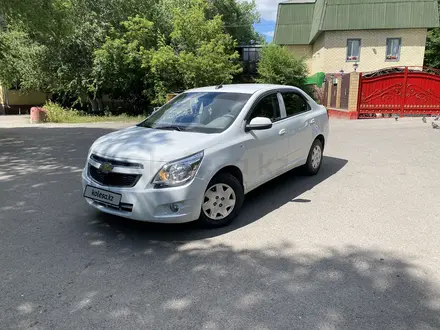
x=353 y=49
x=393 y=49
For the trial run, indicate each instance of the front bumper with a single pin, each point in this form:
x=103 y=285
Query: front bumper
x=153 y=205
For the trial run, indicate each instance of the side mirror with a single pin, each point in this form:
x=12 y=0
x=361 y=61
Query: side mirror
x=259 y=123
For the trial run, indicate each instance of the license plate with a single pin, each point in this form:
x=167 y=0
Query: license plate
x=103 y=196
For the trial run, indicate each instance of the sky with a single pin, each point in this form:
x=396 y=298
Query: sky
x=268 y=12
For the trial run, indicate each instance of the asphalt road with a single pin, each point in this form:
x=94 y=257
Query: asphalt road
x=356 y=247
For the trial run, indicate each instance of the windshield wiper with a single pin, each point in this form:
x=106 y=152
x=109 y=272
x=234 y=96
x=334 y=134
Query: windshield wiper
x=171 y=127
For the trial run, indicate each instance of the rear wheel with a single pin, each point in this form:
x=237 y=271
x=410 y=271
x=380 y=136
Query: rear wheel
x=222 y=201
x=314 y=160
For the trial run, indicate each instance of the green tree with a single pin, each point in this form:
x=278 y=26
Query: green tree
x=21 y=62
x=39 y=18
x=279 y=66
x=118 y=69
x=200 y=52
x=133 y=50
x=239 y=17
x=432 y=51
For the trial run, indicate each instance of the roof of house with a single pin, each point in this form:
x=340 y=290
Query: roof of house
x=300 y=22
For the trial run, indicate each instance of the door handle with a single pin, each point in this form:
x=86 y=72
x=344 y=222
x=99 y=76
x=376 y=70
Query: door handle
x=283 y=131
x=312 y=121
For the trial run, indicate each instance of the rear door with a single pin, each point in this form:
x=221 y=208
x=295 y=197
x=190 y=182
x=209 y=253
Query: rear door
x=299 y=118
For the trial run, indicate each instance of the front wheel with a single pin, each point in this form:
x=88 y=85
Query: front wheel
x=314 y=160
x=222 y=201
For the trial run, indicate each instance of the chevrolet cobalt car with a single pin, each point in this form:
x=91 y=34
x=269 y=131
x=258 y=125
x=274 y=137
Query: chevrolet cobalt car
x=197 y=156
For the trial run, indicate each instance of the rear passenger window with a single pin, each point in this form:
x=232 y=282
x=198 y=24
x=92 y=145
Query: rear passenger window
x=295 y=103
x=267 y=107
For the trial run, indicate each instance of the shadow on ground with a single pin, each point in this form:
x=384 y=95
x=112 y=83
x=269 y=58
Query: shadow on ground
x=40 y=163
x=258 y=203
x=64 y=267
x=170 y=286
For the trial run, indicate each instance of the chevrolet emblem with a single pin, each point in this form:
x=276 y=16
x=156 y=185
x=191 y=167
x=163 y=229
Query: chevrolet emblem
x=106 y=168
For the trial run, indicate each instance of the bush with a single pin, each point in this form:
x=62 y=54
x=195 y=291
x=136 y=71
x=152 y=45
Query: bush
x=57 y=114
x=279 y=66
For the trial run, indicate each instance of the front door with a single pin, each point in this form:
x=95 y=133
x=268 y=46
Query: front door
x=265 y=150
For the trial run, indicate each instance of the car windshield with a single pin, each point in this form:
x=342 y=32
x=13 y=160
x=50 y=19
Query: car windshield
x=204 y=112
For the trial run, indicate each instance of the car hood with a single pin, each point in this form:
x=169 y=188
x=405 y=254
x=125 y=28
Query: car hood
x=147 y=144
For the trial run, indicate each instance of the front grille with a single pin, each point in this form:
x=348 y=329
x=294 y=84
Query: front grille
x=101 y=160
x=113 y=179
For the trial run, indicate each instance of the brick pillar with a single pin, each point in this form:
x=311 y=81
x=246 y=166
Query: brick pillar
x=338 y=93
x=354 y=91
x=330 y=90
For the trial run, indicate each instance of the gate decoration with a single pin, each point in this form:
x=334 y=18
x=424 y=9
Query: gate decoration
x=404 y=91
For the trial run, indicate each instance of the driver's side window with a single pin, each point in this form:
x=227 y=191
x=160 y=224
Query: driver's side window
x=267 y=107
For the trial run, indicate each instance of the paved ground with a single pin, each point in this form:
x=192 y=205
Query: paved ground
x=21 y=121
x=14 y=121
x=356 y=247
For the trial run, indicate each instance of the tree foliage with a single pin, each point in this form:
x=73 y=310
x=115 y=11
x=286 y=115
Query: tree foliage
x=432 y=53
x=238 y=17
x=20 y=66
x=432 y=50
x=279 y=66
x=118 y=65
x=134 y=51
x=199 y=53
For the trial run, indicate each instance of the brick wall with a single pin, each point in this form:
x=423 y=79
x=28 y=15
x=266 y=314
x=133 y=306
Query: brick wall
x=373 y=49
x=328 y=53
x=353 y=93
x=319 y=55
x=303 y=51
x=329 y=95
x=15 y=97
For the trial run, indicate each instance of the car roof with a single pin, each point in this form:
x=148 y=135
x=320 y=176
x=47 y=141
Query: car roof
x=240 y=88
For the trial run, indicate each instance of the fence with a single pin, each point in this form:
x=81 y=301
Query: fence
x=402 y=91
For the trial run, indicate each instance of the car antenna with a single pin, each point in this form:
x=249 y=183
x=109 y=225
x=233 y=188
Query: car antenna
x=219 y=86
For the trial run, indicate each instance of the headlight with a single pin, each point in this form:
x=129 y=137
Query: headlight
x=179 y=172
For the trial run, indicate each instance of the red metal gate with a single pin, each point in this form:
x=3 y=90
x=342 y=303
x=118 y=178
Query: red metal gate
x=404 y=91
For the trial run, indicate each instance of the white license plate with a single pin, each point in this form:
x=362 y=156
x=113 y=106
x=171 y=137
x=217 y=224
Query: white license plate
x=102 y=195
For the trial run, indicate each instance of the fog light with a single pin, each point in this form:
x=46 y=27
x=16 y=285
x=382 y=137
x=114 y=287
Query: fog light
x=174 y=208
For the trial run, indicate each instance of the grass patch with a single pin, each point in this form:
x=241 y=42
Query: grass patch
x=57 y=114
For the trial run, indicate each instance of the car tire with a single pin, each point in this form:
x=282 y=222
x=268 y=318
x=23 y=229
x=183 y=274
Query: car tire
x=225 y=188
x=314 y=159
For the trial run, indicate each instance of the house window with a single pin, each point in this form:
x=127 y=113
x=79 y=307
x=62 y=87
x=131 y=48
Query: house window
x=251 y=54
x=353 y=49
x=246 y=54
x=393 y=49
